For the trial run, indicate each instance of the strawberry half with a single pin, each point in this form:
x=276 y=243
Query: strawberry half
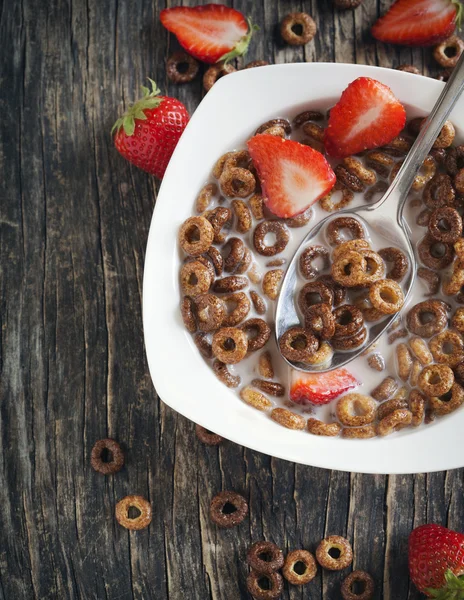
x=368 y=115
x=418 y=22
x=293 y=176
x=436 y=562
x=210 y=33
x=320 y=388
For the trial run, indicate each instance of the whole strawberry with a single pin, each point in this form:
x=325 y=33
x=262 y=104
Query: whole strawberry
x=150 y=129
x=436 y=562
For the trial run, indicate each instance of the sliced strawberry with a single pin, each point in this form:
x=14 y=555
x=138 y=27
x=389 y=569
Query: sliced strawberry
x=368 y=115
x=210 y=33
x=320 y=388
x=418 y=22
x=293 y=176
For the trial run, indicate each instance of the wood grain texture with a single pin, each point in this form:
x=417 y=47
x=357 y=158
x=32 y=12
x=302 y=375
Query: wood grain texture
x=74 y=219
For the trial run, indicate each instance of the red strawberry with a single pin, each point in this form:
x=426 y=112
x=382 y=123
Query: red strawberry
x=149 y=131
x=293 y=176
x=211 y=33
x=320 y=388
x=418 y=22
x=436 y=562
x=367 y=116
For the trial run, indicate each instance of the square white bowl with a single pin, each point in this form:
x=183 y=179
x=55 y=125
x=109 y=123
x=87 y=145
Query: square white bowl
x=234 y=107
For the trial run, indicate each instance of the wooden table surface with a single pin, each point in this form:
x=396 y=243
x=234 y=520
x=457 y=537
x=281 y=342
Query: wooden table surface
x=74 y=219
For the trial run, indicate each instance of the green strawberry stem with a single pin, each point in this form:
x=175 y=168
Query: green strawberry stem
x=135 y=111
x=459 y=13
x=241 y=47
x=452 y=590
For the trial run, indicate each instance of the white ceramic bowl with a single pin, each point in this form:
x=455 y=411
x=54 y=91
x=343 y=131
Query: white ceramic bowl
x=234 y=107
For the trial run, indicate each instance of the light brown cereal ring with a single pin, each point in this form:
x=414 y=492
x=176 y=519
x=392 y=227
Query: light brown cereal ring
x=271 y=283
x=211 y=311
x=223 y=374
x=427 y=318
x=439 y=192
x=359 y=433
x=234 y=249
x=348 y=179
x=287 y=418
x=355 y=410
x=339 y=292
x=350 y=342
x=317 y=427
x=415 y=372
x=307 y=115
x=349 y=269
x=245 y=263
x=432 y=279
x=448 y=52
x=243 y=216
x=336 y=226
x=309 y=254
x=265 y=586
x=187 y=309
x=386 y=408
x=386 y=296
x=348 y=320
x=215 y=72
x=265 y=368
x=399 y=146
x=354 y=166
x=459 y=373
x=447 y=348
x=385 y=389
x=204 y=260
x=448 y=402
x=445 y=224
x=320 y=321
x=421 y=350
x=400 y=263
x=426 y=173
x=457 y=321
x=256 y=203
x=195 y=278
x=230 y=345
x=269 y=387
x=258 y=303
x=205 y=196
x=207 y=437
x=220 y=163
x=454 y=160
x=240 y=308
x=196 y=236
x=256 y=63
x=181 y=67
x=275 y=130
x=436 y=380
x=417 y=402
x=284 y=123
x=375 y=267
x=203 y=345
x=297 y=344
x=281 y=234
x=219 y=217
x=315 y=292
x=257 y=332
x=459 y=249
x=299 y=567
x=395 y=421
x=331 y=543
x=255 y=399
x=452 y=285
x=376 y=362
x=403 y=361
x=228 y=509
x=314 y=131
x=217 y=259
x=381 y=162
x=298 y=28
x=253 y=274
x=352 y=245
x=408 y=69
x=300 y=220
x=358 y=579
x=237 y=182
x=346 y=196
x=141 y=505
x=233 y=283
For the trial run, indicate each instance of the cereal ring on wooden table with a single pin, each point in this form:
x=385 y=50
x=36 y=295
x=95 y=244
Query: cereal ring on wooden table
x=448 y=52
x=207 y=437
x=395 y=421
x=399 y=146
x=203 y=345
x=339 y=292
x=445 y=225
x=349 y=269
x=299 y=567
x=375 y=267
x=265 y=367
x=305 y=116
x=284 y=123
x=385 y=389
x=269 y=387
x=457 y=321
x=297 y=344
x=265 y=557
x=355 y=167
x=403 y=361
x=454 y=160
x=237 y=182
x=439 y=192
x=350 y=342
x=281 y=234
x=355 y=410
x=417 y=402
x=400 y=262
x=215 y=72
x=436 y=380
x=358 y=580
x=230 y=345
x=181 y=67
x=271 y=283
x=229 y=285
x=219 y=217
x=317 y=427
x=265 y=586
x=256 y=63
x=421 y=350
x=141 y=505
x=380 y=162
x=196 y=236
x=187 y=309
x=427 y=318
x=426 y=173
x=107 y=456
x=386 y=296
x=234 y=250
x=223 y=374
x=447 y=348
x=348 y=320
x=432 y=279
x=228 y=509
x=240 y=308
x=357 y=245
x=336 y=226
x=298 y=28
x=320 y=321
x=242 y=213
x=255 y=399
x=205 y=196
x=408 y=69
x=310 y=254
x=348 y=179
x=300 y=220
x=453 y=285
x=195 y=278
x=210 y=311
x=329 y=545
x=389 y=406
x=287 y=418
x=449 y=402
x=257 y=332
x=315 y=292
x=327 y=202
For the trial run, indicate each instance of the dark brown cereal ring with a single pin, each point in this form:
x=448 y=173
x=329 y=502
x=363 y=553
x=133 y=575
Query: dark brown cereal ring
x=233 y=283
x=389 y=406
x=444 y=75
x=395 y=421
x=438 y=192
x=376 y=191
x=228 y=509
x=346 y=196
x=245 y=263
x=204 y=260
x=408 y=69
x=426 y=173
x=381 y=162
x=203 y=345
x=298 y=28
x=399 y=146
x=196 y=236
x=448 y=52
x=359 y=433
x=447 y=348
x=355 y=581
x=255 y=63
x=297 y=344
x=187 y=309
x=258 y=303
x=256 y=203
x=238 y=158
x=314 y=131
x=257 y=332
x=284 y=123
x=309 y=254
x=459 y=181
x=208 y=437
x=400 y=263
x=427 y=318
x=431 y=278
x=348 y=179
x=243 y=216
x=215 y=72
x=219 y=217
x=220 y=164
x=454 y=160
x=237 y=182
x=320 y=321
x=141 y=505
x=350 y=342
x=265 y=557
x=385 y=390
x=331 y=544
x=275 y=130
x=234 y=249
x=265 y=367
x=300 y=220
x=280 y=232
x=230 y=345
x=336 y=226
x=205 y=196
x=217 y=260
x=272 y=388
x=223 y=374
x=299 y=567
x=376 y=362
x=436 y=380
x=107 y=456
x=315 y=292
x=457 y=321
x=339 y=291
x=195 y=278
x=423 y=217
x=255 y=399
x=445 y=224
x=307 y=115
x=240 y=308
x=265 y=586
x=355 y=410
x=438 y=155
x=317 y=427
x=348 y=320
x=271 y=283
x=459 y=373
x=449 y=402
x=210 y=311
x=181 y=67
x=434 y=254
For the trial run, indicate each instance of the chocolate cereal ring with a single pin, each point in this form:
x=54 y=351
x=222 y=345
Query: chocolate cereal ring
x=271 y=283
x=205 y=196
x=223 y=374
x=300 y=220
x=359 y=433
x=187 y=309
x=210 y=311
x=358 y=580
x=240 y=309
x=339 y=292
x=243 y=216
x=336 y=226
x=448 y=52
x=284 y=123
x=107 y=457
x=421 y=350
x=216 y=259
x=432 y=279
x=454 y=160
x=357 y=245
x=457 y=321
x=234 y=250
x=385 y=389
x=280 y=232
x=348 y=320
x=350 y=342
x=447 y=348
x=245 y=263
x=228 y=509
x=195 y=278
x=377 y=362
x=380 y=162
x=307 y=115
x=399 y=146
x=299 y=567
x=439 y=192
x=208 y=437
x=436 y=380
x=219 y=217
x=386 y=296
x=399 y=262
x=395 y=421
x=317 y=427
x=265 y=367
x=269 y=387
x=449 y=402
x=257 y=332
x=348 y=179
x=203 y=345
x=315 y=292
x=258 y=303
x=331 y=544
x=426 y=173
x=355 y=410
x=215 y=72
x=230 y=345
x=142 y=506
x=265 y=557
x=237 y=182
x=445 y=225
x=389 y=406
x=355 y=167
x=256 y=203
x=427 y=318
x=309 y=254
x=328 y=204
x=263 y=586
x=459 y=181
x=453 y=285
x=375 y=267
x=298 y=28
x=314 y=131
x=297 y=344
x=181 y=67
x=287 y=418
x=255 y=399
x=196 y=236
x=320 y=321
x=233 y=283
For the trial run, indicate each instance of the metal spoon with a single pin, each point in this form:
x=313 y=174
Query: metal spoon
x=378 y=217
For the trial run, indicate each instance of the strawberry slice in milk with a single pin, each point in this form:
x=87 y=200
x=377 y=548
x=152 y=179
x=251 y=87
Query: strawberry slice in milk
x=320 y=388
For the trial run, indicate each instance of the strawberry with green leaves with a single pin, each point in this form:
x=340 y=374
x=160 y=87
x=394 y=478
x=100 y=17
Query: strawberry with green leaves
x=148 y=132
